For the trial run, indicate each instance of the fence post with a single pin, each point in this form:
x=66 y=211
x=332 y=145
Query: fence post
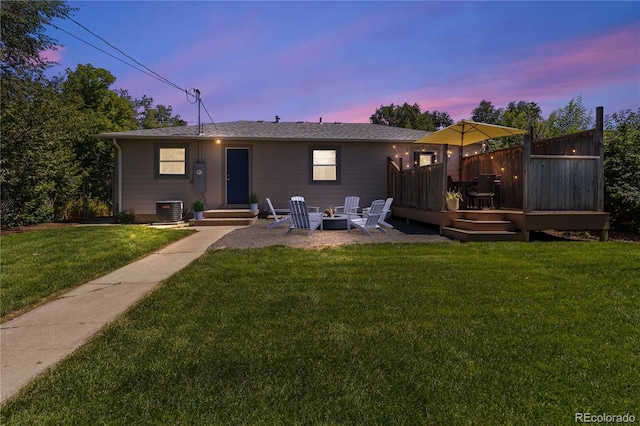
x=401 y=177
x=526 y=162
x=445 y=173
x=598 y=136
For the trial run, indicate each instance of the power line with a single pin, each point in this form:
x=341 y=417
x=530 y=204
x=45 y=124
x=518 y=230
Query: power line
x=107 y=53
x=192 y=92
x=161 y=78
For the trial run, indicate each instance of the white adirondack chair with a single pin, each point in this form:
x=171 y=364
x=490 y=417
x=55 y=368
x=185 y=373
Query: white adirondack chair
x=365 y=224
x=301 y=198
x=385 y=212
x=302 y=219
x=351 y=205
x=279 y=218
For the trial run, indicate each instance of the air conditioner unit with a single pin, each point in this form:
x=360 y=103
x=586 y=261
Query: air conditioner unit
x=168 y=211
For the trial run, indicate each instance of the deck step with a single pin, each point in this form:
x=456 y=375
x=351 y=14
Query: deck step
x=483 y=225
x=485 y=215
x=467 y=235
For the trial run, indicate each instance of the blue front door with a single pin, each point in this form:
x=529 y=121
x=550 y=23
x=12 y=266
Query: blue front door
x=237 y=176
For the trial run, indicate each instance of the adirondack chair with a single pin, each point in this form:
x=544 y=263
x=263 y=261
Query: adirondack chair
x=370 y=221
x=302 y=219
x=385 y=211
x=351 y=205
x=279 y=219
x=301 y=198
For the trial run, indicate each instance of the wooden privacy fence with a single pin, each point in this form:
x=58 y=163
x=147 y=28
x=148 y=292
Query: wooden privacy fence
x=559 y=174
x=506 y=163
x=421 y=187
x=566 y=174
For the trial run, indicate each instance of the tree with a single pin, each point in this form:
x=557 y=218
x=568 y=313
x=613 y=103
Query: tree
x=153 y=118
x=439 y=119
x=24 y=37
x=99 y=110
x=37 y=171
x=47 y=124
x=573 y=118
x=486 y=113
x=622 y=169
x=410 y=117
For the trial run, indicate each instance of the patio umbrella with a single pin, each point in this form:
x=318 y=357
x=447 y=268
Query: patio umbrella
x=467 y=132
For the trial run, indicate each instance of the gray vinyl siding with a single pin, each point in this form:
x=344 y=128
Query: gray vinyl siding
x=281 y=169
x=142 y=189
x=278 y=170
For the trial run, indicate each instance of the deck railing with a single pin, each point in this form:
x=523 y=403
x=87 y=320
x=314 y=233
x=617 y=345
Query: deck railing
x=420 y=187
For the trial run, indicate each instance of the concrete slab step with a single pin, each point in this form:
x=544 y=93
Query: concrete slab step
x=226 y=221
x=230 y=213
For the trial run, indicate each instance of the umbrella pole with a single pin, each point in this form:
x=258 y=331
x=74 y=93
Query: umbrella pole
x=460 y=153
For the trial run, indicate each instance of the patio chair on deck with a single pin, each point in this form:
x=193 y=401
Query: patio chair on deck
x=301 y=198
x=485 y=191
x=351 y=205
x=451 y=185
x=300 y=217
x=370 y=221
x=279 y=218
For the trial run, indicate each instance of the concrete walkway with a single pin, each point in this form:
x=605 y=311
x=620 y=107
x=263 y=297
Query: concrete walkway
x=40 y=338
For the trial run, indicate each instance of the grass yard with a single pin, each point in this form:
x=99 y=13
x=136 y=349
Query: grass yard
x=477 y=333
x=37 y=265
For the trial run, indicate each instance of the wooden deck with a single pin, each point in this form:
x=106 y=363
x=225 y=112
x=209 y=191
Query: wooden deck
x=505 y=224
x=554 y=184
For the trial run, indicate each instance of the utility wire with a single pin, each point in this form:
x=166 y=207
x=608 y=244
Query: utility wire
x=107 y=53
x=209 y=115
x=161 y=78
x=150 y=72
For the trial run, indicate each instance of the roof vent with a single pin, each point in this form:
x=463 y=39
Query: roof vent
x=277 y=119
x=320 y=120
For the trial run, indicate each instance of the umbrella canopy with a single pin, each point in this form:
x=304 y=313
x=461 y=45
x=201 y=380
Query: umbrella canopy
x=467 y=132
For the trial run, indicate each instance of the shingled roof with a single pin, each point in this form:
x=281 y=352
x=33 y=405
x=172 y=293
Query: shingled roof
x=243 y=130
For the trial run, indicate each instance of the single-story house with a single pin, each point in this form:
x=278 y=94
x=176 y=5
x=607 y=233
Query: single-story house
x=226 y=162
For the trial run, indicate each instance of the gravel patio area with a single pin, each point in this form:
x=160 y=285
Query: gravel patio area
x=259 y=236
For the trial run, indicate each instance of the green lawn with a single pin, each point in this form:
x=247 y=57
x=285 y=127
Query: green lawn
x=477 y=333
x=37 y=265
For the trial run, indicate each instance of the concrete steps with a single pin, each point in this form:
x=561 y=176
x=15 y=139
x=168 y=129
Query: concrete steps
x=228 y=217
x=482 y=225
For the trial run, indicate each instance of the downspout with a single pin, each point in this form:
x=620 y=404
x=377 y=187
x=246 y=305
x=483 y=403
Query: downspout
x=119 y=166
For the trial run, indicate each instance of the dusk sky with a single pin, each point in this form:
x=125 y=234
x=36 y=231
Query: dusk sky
x=342 y=60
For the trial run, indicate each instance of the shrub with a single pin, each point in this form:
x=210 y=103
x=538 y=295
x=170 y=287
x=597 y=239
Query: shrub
x=73 y=211
x=124 y=217
x=622 y=169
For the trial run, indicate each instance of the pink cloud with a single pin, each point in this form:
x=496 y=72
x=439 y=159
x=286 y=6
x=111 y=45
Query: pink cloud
x=547 y=74
x=53 y=55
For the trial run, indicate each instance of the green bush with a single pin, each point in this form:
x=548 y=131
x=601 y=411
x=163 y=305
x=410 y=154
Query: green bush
x=124 y=217
x=73 y=211
x=622 y=170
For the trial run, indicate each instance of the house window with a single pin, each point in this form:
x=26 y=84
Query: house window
x=172 y=160
x=325 y=165
x=421 y=159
